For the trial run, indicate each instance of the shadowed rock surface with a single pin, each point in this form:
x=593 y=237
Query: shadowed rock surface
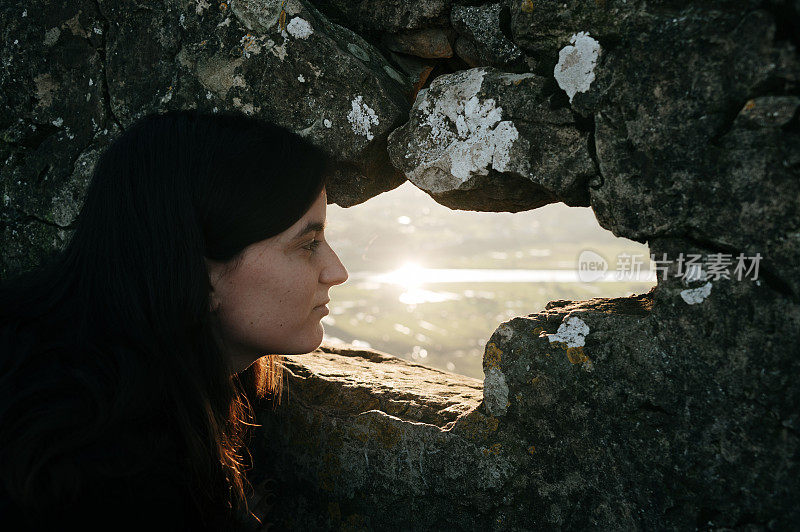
x=114 y=61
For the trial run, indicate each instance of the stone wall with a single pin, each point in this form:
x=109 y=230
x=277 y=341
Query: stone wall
x=677 y=122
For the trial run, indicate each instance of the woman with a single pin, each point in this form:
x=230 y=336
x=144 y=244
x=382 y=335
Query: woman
x=127 y=358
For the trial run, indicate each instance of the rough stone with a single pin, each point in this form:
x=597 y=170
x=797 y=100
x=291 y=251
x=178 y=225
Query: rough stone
x=481 y=27
x=426 y=43
x=467 y=52
x=706 y=150
x=110 y=63
x=52 y=110
x=392 y=16
x=482 y=139
x=767 y=112
x=605 y=414
x=417 y=70
x=362 y=432
x=542 y=28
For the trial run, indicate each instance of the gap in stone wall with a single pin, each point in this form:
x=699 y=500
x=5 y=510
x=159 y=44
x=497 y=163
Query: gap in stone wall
x=430 y=284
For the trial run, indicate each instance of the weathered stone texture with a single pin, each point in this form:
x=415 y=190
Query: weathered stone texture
x=108 y=63
x=391 y=16
x=480 y=26
x=426 y=43
x=487 y=140
x=605 y=420
x=392 y=434
x=679 y=146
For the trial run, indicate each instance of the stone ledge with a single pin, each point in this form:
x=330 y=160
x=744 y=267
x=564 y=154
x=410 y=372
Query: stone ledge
x=349 y=381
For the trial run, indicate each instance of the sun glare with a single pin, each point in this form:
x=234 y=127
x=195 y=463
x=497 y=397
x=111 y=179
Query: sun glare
x=409 y=275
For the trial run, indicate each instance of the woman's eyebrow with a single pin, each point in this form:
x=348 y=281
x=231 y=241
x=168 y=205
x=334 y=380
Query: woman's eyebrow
x=311 y=227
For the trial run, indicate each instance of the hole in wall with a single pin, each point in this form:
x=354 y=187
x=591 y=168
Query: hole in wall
x=430 y=285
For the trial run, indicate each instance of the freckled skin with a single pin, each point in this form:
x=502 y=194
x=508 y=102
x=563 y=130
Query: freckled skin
x=267 y=304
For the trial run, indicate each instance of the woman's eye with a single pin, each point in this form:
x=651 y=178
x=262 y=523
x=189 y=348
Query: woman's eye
x=313 y=245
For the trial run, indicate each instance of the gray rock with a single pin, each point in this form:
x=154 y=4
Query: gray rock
x=426 y=43
x=467 y=52
x=677 y=148
x=662 y=410
x=767 y=112
x=107 y=66
x=52 y=111
x=415 y=69
x=349 y=452
x=391 y=16
x=325 y=82
x=480 y=26
x=542 y=27
x=481 y=139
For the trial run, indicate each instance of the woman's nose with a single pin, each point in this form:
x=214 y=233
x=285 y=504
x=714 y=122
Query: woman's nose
x=334 y=272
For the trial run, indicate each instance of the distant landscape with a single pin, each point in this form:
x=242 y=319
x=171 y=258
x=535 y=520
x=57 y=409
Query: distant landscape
x=393 y=244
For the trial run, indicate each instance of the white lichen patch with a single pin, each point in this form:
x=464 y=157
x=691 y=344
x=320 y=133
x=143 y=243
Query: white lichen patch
x=51 y=36
x=362 y=118
x=466 y=135
x=693 y=296
x=505 y=332
x=167 y=96
x=301 y=79
x=58 y=122
x=278 y=51
x=201 y=6
x=246 y=108
x=575 y=69
x=253 y=45
x=327 y=123
x=495 y=392
x=299 y=28
x=572 y=332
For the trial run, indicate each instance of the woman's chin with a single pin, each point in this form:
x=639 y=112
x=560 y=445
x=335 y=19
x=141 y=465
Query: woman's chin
x=313 y=343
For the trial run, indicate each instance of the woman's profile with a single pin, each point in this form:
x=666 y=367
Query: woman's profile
x=130 y=359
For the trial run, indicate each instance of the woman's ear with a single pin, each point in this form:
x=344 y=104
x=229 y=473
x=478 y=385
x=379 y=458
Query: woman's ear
x=213 y=302
x=214 y=270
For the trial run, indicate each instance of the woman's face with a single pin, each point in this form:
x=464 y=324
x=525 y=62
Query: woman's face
x=272 y=303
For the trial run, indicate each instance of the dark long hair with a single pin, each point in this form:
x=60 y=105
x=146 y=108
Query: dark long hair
x=118 y=323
